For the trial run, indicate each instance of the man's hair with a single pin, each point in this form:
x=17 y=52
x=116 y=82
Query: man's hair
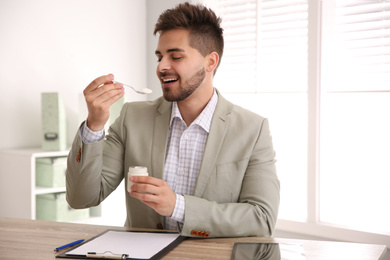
x=206 y=34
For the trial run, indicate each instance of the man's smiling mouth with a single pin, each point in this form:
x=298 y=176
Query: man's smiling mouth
x=169 y=80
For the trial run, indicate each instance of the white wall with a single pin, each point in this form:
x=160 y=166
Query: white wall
x=61 y=46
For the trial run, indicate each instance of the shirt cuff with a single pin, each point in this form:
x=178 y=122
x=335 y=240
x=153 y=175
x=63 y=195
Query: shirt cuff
x=178 y=212
x=90 y=136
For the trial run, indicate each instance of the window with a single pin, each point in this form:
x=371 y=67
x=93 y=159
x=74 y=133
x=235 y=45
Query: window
x=355 y=128
x=274 y=82
x=320 y=72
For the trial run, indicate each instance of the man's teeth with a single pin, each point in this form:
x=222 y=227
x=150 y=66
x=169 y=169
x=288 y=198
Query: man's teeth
x=169 y=79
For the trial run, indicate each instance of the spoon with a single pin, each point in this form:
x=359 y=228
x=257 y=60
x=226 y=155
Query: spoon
x=139 y=91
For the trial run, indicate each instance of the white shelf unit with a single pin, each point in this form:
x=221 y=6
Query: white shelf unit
x=17 y=181
x=18 y=190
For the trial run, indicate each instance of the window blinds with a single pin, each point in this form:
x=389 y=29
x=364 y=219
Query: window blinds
x=362 y=46
x=239 y=63
x=283 y=46
x=265 y=45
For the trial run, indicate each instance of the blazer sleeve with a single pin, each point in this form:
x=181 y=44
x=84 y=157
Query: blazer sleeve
x=89 y=180
x=218 y=213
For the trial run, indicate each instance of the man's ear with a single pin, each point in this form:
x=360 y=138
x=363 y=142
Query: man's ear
x=212 y=61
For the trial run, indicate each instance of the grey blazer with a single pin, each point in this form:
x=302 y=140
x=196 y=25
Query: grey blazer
x=237 y=191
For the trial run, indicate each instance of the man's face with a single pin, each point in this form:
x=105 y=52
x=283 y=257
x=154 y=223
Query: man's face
x=181 y=68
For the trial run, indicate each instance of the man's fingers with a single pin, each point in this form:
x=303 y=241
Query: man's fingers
x=148 y=180
x=163 y=205
x=100 y=95
x=98 y=82
x=145 y=188
x=107 y=92
x=145 y=197
x=155 y=193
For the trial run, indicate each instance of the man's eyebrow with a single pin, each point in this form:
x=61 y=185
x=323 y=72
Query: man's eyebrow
x=157 y=52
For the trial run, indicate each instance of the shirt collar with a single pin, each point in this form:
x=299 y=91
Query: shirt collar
x=204 y=118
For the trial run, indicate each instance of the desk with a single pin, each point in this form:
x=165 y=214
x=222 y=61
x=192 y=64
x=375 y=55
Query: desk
x=33 y=239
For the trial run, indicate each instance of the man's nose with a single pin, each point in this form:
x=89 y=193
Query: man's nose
x=163 y=65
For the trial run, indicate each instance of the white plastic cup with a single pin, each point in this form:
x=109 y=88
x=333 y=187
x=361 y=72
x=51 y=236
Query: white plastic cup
x=135 y=171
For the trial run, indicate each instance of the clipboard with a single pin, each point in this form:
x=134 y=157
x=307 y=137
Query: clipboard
x=124 y=244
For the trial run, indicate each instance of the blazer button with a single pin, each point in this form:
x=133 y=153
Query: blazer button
x=194 y=232
x=202 y=233
x=160 y=226
x=206 y=234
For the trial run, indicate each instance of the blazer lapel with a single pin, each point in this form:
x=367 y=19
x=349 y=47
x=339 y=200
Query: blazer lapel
x=218 y=129
x=160 y=138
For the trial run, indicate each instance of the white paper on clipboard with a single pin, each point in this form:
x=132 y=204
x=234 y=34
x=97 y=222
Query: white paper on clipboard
x=140 y=245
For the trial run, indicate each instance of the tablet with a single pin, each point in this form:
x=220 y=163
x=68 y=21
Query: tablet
x=256 y=251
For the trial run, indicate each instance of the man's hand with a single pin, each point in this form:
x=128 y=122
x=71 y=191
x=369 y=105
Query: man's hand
x=100 y=95
x=155 y=193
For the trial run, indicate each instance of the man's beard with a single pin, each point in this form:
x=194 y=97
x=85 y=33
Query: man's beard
x=189 y=87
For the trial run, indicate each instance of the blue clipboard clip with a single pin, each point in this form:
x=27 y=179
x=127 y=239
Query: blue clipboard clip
x=106 y=255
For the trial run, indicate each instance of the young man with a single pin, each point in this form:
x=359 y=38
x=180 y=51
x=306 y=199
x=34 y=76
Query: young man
x=211 y=164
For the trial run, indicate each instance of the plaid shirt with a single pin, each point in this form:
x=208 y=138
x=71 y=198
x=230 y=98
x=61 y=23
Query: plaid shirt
x=184 y=155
